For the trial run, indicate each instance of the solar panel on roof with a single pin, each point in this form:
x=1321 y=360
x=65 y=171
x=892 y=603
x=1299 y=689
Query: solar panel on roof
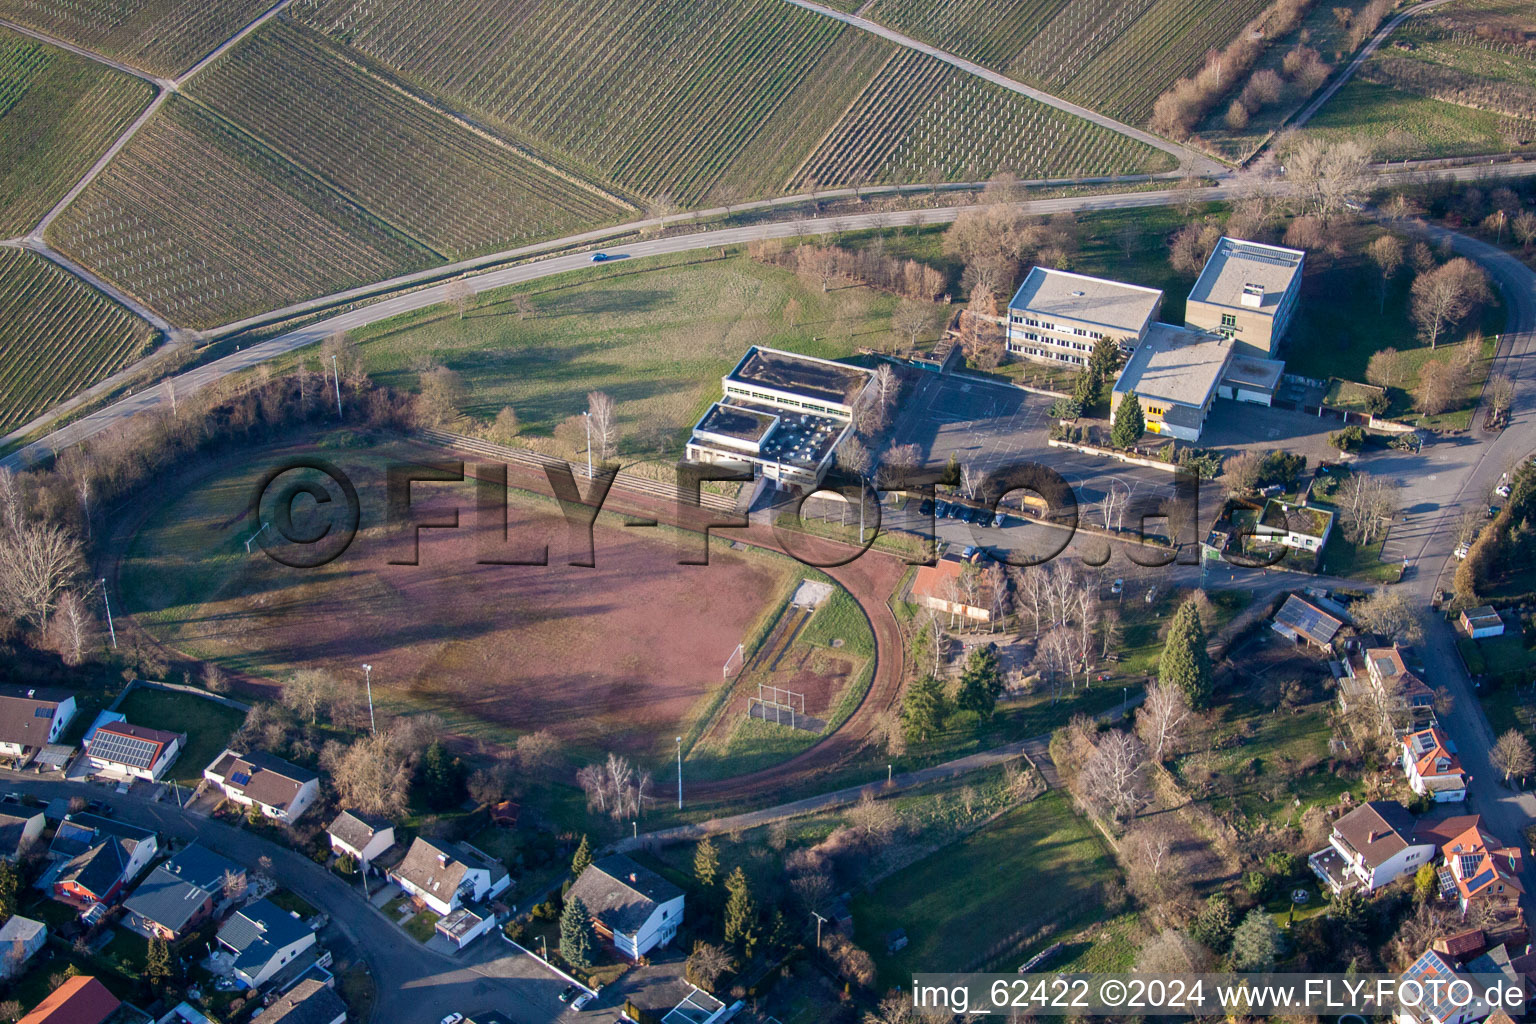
x=129 y=750
x=1469 y=863
x=240 y=779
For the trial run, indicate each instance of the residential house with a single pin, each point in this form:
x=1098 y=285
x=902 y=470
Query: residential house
x=1442 y=1002
x=1371 y=846
x=182 y=893
x=632 y=907
x=1475 y=865
x=283 y=791
x=32 y=718
x=1248 y=292
x=363 y=837
x=1304 y=622
x=446 y=876
x=1432 y=767
x=1404 y=702
x=101 y=858
x=1303 y=527
x=20 y=939
x=1058 y=317
x=1484 y=620
x=80 y=1000
x=309 y=1002
x=124 y=751
x=18 y=832
x=946 y=587
x=1174 y=375
x=263 y=938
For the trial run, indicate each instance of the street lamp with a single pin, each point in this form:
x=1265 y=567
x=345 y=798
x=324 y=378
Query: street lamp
x=368 y=679
x=679 y=773
x=110 y=628
x=819 y=920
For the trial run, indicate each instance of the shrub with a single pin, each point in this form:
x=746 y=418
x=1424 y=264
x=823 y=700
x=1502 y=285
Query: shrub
x=1349 y=439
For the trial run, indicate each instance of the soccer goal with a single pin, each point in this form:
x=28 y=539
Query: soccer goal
x=776 y=704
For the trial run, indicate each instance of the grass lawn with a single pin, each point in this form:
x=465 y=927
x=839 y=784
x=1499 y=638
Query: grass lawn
x=1106 y=947
x=1402 y=125
x=421 y=927
x=292 y=902
x=656 y=334
x=1273 y=758
x=965 y=901
x=1343 y=557
x=207 y=723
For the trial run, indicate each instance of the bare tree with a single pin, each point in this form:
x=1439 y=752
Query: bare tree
x=308 y=692
x=706 y=964
x=1511 y=754
x=604 y=423
x=460 y=295
x=1388 y=368
x=10 y=499
x=913 y=318
x=1241 y=472
x=373 y=776
x=1387 y=253
x=38 y=562
x=1468 y=525
x=537 y=751
x=1112 y=775
x=1446 y=296
x=971 y=477
x=1368 y=502
x=900 y=461
x=853 y=456
x=74 y=628
x=1327 y=175
x=886 y=384
x=874 y=820
x=1388 y=614
x=813 y=892
x=1162 y=719
x=1500 y=394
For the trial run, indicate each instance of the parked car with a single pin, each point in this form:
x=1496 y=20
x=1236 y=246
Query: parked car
x=1493 y=510
x=453 y=1018
x=998 y=519
x=568 y=993
x=1502 y=490
x=957 y=511
x=926 y=508
x=600 y=257
x=1117 y=586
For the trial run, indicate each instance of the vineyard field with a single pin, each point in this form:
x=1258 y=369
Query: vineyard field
x=923 y=119
x=57 y=336
x=58 y=113
x=203 y=225
x=459 y=191
x=163 y=37
x=713 y=100
x=1116 y=56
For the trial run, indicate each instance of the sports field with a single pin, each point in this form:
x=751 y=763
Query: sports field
x=621 y=656
x=58 y=113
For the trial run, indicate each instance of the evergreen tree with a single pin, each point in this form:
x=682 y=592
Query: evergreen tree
x=8 y=887
x=440 y=776
x=706 y=863
x=576 y=934
x=1212 y=927
x=157 y=964
x=740 y=913
x=1101 y=364
x=951 y=477
x=1129 y=423
x=1186 y=663
x=583 y=858
x=1256 y=942
x=924 y=708
x=1085 y=389
x=981 y=683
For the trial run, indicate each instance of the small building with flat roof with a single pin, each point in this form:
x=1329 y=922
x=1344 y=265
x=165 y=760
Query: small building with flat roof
x=1174 y=374
x=1057 y=317
x=782 y=415
x=1251 y=379
x=1247 y=291
x=1484 y=620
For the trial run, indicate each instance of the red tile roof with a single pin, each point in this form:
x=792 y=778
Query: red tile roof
x=1427 y=748
x=79 y=1000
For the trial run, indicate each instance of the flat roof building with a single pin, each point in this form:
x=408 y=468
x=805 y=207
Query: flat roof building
x=1057 y=316
x=1174 y=374
x=1247 y=291
x=782 y=414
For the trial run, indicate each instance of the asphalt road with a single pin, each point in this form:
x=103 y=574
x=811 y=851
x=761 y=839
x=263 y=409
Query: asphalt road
x=415 y=985
x=353 y=319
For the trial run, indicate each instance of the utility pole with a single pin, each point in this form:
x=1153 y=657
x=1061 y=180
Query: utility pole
x=104 y=600
x=587 y=418
x=368 y=679
x=679 y=773
x=336 y=377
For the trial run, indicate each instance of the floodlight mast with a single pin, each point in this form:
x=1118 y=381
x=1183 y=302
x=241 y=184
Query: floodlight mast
x=368 y=680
